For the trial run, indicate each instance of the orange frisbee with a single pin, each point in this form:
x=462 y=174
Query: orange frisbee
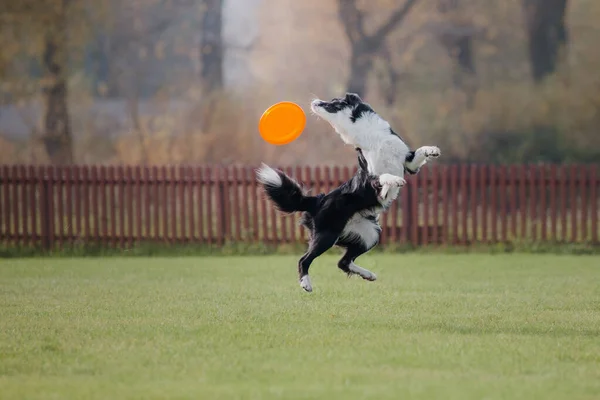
x=282 y=123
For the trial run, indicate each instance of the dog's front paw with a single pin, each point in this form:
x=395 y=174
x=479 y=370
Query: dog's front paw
x=432 y=151
x=391 y=180
x=387 y=182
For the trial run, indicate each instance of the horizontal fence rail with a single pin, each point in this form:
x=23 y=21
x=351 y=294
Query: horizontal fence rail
x=457 y=204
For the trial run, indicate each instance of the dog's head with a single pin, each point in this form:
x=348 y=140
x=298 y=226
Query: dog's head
x=349 y=116
x=340 y=112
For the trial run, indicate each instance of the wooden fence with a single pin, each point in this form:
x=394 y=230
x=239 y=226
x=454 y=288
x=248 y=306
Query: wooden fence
x=457 y=204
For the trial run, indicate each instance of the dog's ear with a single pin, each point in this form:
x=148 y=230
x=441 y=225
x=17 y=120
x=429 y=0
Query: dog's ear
x=362 y=161
x=353 y=98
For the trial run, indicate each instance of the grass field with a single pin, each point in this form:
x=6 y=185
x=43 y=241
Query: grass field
x=432 y=327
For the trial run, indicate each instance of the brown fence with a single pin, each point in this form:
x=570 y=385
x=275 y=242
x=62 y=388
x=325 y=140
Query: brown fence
x=457 y=204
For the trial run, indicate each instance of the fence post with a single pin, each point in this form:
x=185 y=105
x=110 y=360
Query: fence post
x=413 y=202
x=47 y=206
x=424 y=241
x=221 y=211
x=445 y=201
x=4 y=185
x=407 y=216
x=594 y=203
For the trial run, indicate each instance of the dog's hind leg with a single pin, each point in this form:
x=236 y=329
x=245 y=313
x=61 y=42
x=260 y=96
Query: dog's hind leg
x=346 y=263
x=416 y=159
x=319 y=244
x=360 y=235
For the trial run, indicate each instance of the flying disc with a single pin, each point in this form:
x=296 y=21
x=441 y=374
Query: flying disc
x=282 y=123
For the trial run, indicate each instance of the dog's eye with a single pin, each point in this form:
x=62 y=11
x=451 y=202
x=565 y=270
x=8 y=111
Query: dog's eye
x=352 y=98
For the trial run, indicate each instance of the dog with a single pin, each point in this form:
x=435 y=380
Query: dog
x=343 y=217
x=359 y=125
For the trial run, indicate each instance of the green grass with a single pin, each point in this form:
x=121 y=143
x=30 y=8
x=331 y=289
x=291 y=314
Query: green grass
x=432 y=327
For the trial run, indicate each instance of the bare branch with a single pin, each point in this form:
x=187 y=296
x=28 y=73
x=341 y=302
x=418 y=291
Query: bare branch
x=396 y=18
x=352 y=19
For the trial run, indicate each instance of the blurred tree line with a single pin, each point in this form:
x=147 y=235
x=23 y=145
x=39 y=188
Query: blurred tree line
x=145 y=81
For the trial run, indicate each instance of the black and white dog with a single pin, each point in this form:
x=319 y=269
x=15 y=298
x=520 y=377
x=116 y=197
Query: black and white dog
x=359 y=125
x=344 y=217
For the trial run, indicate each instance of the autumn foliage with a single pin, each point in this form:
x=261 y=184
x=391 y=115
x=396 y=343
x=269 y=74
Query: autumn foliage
x=185 y=81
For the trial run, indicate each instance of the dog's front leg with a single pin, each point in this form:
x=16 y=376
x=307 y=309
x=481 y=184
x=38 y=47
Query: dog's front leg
x=416 y=159
x=390 y=186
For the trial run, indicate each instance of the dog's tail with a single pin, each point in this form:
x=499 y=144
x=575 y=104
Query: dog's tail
x=285 y=192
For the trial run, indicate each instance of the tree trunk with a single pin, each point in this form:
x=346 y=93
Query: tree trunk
x=364 y=47
x=388 y=77
x=57 y=127
x=134 y=113
x=211 y=46
x=460 y=50
x=547 y=34
x=464 y=56
x=360 y=65
x=456 y=36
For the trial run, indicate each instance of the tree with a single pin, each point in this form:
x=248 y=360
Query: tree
x=57 y=135
x=547 y=34
x=139 y=30
x=47 y=31
x=211 y=60
x=211 y=45
x=456 y=33
x=456 y=36
x=364 y=47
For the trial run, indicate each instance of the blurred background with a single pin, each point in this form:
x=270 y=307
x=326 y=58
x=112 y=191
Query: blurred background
x=185 y=81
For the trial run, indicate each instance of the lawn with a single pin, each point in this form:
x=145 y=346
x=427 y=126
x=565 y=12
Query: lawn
x=431 y=327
